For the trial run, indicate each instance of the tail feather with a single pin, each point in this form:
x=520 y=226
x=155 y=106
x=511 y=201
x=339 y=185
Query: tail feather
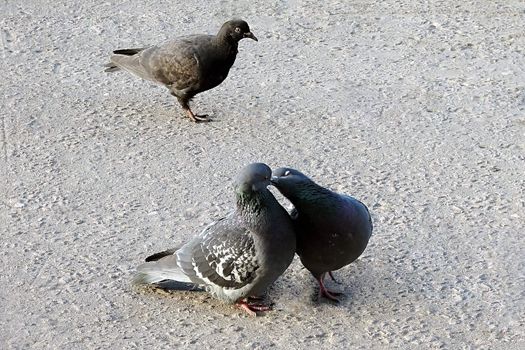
x=161 y=255
x=163 y=269
x=111 y=67
x=131 y=63
x=128 y=52
x=147 y=278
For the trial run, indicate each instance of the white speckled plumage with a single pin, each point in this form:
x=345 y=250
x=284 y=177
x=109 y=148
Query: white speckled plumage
x=238 y=256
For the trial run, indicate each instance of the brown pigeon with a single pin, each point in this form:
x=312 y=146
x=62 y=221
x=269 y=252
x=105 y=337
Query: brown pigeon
x=186 y=65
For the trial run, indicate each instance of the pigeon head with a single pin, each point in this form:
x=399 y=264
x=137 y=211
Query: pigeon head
x=288 y=180
x=236 y=29
x=254 y=177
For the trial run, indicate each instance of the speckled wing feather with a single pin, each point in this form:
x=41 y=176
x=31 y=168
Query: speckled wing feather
x=223 y=254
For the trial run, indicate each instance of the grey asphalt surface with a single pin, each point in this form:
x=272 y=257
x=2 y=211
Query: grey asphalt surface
x=415 y=108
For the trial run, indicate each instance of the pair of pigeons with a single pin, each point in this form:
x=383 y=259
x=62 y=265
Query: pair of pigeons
x=239 y=256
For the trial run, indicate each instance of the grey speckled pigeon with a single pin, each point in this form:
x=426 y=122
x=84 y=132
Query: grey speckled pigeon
x=238 y=257
x=186 y=65
x=332 y=229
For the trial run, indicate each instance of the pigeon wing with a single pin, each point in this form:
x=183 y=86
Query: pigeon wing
x=174 y=63
x=223 y=255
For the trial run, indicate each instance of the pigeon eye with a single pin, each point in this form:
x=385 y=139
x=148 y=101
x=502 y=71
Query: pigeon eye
x=237 y=30
x=287 y=172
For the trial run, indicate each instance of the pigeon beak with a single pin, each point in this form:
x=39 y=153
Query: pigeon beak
x=250 y=35
x=274 y=180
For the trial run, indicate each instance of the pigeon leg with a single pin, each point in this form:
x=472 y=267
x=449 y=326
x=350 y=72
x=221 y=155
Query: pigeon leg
x=184 y=102
x=323 y=292
x=333 y=278
x=252 y=308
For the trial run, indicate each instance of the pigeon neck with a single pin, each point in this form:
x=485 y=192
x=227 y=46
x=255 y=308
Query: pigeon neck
x=224 y=39
x=251 y=204
x=311 y=196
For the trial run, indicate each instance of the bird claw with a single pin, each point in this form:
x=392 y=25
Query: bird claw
x=252 y=308
x=202 y=118
x=323 y=292
x=197 y=118
x=260 y=307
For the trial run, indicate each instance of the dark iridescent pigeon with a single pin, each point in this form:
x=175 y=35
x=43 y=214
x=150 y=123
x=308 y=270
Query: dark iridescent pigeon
x=186 y=65
x=332 y=229
x=238 y=257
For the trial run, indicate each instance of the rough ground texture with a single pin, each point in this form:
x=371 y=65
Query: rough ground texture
x=415 y=108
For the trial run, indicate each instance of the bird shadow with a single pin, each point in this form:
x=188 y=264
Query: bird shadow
x=348 y=286
x=195 y=297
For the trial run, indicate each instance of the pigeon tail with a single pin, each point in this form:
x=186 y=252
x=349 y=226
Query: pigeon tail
x=158 y=256
x=161 y=270
x=111 y=67
x=130 y=62
x=166 y=284
x=128 y=52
